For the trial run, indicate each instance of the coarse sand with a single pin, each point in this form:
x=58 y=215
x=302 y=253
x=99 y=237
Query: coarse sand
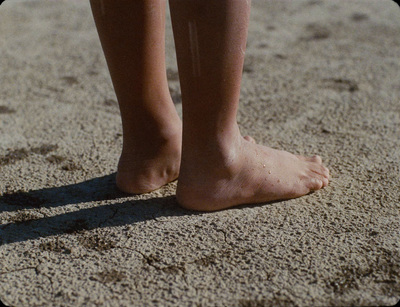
x=320 y=77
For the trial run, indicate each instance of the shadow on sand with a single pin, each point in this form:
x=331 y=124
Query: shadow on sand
x=118 y=211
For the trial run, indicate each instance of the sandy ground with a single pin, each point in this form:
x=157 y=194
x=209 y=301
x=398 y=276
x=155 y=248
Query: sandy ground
x=320 y=77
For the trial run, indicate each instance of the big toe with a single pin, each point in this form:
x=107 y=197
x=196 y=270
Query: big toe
x=314 y=159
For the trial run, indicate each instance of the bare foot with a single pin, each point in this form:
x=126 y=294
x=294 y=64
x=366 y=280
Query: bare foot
x=150 y=164
x=251 y=173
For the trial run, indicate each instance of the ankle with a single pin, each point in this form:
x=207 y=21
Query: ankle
x=218 y=156
x=150 y=142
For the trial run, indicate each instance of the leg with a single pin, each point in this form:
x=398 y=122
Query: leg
x=132 y=36
x=219 y=168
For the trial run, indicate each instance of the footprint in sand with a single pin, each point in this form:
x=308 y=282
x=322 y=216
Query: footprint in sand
x=314 y=2
x=22 y=153
x=340 y=85
x=6 y=110
x=316 y=31
x=359 y=17
x=70 y=80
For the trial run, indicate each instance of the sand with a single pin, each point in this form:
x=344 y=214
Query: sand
x=321 y=77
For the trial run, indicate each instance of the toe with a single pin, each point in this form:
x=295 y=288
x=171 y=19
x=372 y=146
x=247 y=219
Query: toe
x=249 y=139
x=315 y=184
x=316 y=159
x=313 y=159
x=320 y=170
x=325 y=182
x=326 y=172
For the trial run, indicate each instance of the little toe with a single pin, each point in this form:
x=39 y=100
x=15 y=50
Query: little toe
x=325 y=182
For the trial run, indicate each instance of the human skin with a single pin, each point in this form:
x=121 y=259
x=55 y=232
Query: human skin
x=132 y=35
x=218 y=168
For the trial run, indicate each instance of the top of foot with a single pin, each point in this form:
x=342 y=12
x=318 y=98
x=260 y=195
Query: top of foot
x=257 y=174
